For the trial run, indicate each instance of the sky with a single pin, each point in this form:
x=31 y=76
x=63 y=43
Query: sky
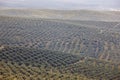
x=62 y=4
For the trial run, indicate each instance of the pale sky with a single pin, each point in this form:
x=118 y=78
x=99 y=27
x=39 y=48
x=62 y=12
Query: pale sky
x=62 y=4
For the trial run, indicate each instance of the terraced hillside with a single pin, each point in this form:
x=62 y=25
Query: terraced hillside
x=62 y=36
x=36 y=64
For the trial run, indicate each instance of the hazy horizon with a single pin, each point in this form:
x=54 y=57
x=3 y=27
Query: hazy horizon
x=62 y=4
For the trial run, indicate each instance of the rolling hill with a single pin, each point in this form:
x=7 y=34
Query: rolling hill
x=62 y=36
x=59 y=45
x=63 y=14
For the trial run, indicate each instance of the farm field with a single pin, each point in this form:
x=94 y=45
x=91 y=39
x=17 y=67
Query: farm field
x=25 y=63
x=57 y=48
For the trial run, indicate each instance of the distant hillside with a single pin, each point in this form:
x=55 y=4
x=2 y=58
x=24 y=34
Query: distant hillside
x=64 y=14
